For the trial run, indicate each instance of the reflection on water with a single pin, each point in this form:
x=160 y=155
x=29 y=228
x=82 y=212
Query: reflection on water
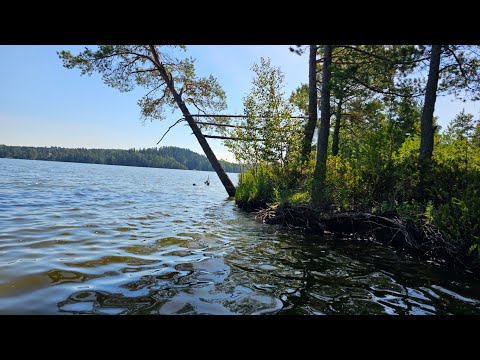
x=83 y=239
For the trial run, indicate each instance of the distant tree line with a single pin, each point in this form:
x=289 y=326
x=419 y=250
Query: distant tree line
x=170 y=82
x=169 y=157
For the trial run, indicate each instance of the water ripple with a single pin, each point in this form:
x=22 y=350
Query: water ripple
x=93 y=239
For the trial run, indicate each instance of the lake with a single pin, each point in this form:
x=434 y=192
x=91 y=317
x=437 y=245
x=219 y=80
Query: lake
x=100 y=239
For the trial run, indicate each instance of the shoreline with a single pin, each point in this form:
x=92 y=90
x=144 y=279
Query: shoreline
x=424 y=241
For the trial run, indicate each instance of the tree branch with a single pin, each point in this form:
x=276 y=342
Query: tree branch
x=158 y=87
x=141 y=71
x=367 y=53
x=380 y=57
x=382 y=91
x=166 y=132
x=467 y=80
x=446 y=67
x=194 y=104
x=230 y=138
x=227 y=125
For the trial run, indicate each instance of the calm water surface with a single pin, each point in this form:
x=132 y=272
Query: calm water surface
x=99 y=239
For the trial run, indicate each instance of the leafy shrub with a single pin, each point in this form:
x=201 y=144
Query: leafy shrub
x=256 y=188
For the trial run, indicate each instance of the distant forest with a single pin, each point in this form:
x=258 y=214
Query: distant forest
x=169 y=157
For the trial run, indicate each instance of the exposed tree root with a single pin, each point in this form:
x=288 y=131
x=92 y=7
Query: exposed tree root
x=300 y=217
x=425 y=240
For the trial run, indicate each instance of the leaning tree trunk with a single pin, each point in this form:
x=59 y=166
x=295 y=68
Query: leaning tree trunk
x=336 y=130
x=319 y=175
x=312 y=104
x=227 y=183
x=427 y=131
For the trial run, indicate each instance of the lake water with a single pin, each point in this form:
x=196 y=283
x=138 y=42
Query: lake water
x=100 y=239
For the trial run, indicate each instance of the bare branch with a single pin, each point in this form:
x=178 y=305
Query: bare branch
x=227 y=125
x=230 y=138
x=194 y=104
x=242 y=116
x=166 y=132
x=141 y=71
x=158 y=87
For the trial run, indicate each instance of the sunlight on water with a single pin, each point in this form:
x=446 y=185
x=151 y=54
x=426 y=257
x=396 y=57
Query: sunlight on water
x=83 y=239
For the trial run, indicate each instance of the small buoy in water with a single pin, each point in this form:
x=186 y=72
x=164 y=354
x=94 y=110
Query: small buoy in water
x=208 y=181
x=194 y=184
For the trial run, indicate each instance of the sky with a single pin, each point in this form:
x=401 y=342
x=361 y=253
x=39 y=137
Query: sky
x=44 y=104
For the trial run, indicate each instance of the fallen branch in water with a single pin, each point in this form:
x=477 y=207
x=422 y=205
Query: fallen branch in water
x=371 y=224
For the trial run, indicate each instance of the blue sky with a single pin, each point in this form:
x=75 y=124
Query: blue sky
x=44 y=104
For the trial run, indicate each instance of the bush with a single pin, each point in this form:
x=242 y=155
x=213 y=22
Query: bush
x=255 y=188
x=388 y=186
x=459 y=217
x=267 y=185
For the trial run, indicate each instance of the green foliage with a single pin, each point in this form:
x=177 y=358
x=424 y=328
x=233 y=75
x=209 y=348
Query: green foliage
x=267 y=134
x=455 y=196
x=256 y=188
x=366 y=178
x=360 y=69
x=377 y=166
x=462 y=75
x=461 y=127
x=459 y=145
x=377 y=175
x=299 y=99
x=410 y=211
x=126 y=66
x=263 y=186
x=269 y=142
x=169 y=157
x=343 y=183
x=299 y=198
x=458 y=219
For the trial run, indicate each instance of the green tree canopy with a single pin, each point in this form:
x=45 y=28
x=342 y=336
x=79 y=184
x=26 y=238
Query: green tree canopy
x=268 y=133
x=125 y=66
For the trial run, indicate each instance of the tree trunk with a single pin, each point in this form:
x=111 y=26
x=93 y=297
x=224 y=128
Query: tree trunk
x=227 y=183
x=426 y=144
x=336 y=130
x=427 y=130
x=312 y=104
x=319 y=175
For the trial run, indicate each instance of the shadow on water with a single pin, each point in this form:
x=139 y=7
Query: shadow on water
x=294 y=276
x=278 y=274
x=90 y=240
